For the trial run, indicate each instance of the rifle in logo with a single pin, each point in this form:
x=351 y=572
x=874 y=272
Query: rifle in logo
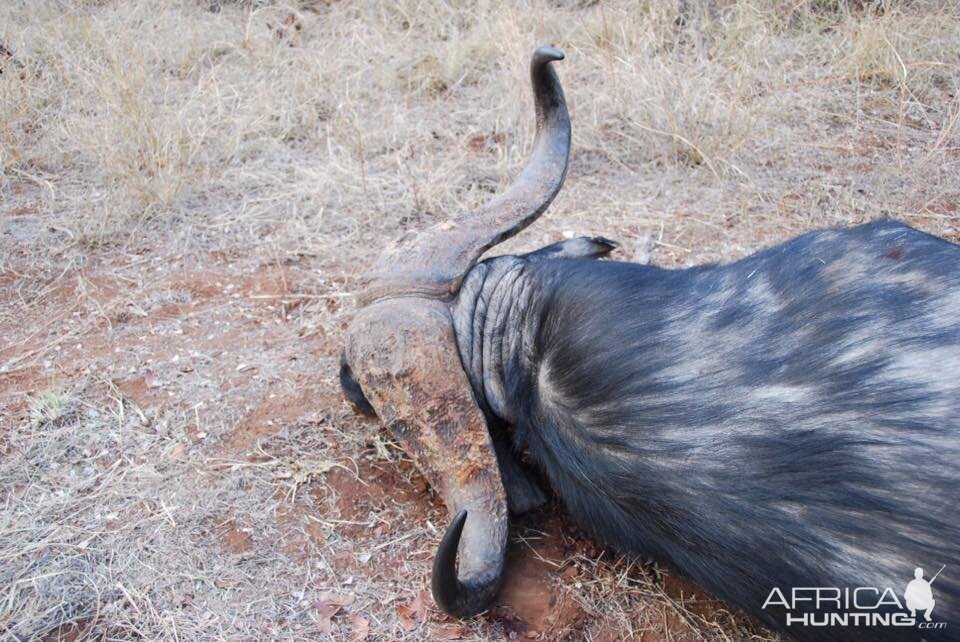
x=919 y=596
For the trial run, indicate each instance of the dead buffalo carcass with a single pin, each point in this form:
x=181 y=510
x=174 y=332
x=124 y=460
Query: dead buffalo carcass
x=784 y=429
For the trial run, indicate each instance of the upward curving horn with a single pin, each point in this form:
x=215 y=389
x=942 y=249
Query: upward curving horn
x=434 y=262
x=453 y=596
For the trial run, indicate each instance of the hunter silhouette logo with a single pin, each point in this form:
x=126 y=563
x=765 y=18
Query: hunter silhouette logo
x=919 y=596
x=859 y=606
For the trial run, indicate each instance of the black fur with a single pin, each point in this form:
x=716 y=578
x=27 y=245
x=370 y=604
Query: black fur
x=788 y=420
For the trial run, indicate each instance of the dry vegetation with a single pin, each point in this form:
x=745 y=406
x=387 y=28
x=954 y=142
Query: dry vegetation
x=187 y=189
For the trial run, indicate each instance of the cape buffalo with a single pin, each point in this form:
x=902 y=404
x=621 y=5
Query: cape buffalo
x=784 y=430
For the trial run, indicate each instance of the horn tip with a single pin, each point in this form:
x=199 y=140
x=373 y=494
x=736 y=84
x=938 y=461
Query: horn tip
x=544 y=55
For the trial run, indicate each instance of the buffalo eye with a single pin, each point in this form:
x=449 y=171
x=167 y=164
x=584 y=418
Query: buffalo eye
x=352 y=389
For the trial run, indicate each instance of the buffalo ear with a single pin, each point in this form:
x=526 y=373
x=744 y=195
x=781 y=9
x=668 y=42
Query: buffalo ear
x=582 y=247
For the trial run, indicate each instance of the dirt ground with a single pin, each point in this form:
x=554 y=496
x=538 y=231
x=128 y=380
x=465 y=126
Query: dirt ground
x=217 y=370
x=190 y=191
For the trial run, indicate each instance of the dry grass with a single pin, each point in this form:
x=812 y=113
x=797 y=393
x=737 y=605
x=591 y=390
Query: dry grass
x=189 y=184
x=110 y=525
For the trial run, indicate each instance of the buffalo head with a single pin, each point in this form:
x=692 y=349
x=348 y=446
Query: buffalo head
x=401 y=359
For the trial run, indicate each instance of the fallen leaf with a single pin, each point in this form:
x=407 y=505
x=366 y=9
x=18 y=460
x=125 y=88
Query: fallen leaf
x=325 y=612
x=415 y=612
x=405 y=614
x=421 y=605
x=449 y=632
x=329 y=604
x=359 y=628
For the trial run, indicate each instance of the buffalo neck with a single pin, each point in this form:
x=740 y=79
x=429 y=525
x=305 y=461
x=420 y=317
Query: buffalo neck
x=495 y=319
